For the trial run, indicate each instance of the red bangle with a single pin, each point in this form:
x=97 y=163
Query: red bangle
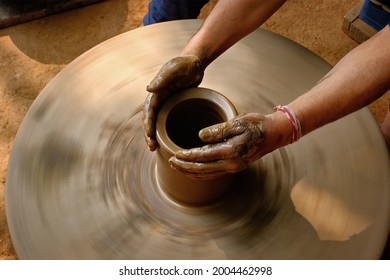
x=295 y=124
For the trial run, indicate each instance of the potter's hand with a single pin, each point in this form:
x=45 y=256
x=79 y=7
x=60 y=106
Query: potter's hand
x=177 y=74
x=233 y=146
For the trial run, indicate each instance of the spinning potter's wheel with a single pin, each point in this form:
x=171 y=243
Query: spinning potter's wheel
x=81 y=183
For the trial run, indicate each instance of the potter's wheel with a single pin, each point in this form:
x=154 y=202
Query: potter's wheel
x=81 y=182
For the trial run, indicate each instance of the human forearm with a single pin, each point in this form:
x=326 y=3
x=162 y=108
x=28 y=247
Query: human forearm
x=228 y=22
x=358 y=79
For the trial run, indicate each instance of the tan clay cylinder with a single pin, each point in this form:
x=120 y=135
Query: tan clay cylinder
x=178 y=123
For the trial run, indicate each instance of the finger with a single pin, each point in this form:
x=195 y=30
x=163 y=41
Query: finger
x=177 y=74
x=151 y=142
x=166 y=78
x=209 y=170
x=149 y=114
x=231 y=148
x=222 y=131
x=163 y=78
x=206 y=153
x=158 y=83
x=150 y=110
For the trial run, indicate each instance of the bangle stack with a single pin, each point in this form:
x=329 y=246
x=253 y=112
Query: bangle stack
x=296 y=125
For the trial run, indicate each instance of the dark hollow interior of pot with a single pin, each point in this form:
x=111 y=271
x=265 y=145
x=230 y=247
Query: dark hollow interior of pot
x=187 y=118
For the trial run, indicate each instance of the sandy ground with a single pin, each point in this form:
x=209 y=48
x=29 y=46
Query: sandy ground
x=31 y=54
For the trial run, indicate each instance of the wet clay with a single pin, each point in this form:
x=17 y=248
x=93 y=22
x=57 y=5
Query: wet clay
x=178 y=123
x=82 y=183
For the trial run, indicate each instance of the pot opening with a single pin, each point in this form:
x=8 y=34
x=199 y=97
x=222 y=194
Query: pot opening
x=187 y=118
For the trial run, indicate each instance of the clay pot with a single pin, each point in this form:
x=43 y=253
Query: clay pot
x=178 y=123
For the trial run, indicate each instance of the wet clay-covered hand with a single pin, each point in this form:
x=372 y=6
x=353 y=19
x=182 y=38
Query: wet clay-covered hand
x=177 y=74
x=233 y=145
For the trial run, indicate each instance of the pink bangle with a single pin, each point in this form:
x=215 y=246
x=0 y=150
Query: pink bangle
x=296 y=125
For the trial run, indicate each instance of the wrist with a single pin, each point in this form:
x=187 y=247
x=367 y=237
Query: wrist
x=294 y=121
x=277 y=129
x=197 y=47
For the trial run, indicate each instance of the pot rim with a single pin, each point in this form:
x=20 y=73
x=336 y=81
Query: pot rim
x=198 y=93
